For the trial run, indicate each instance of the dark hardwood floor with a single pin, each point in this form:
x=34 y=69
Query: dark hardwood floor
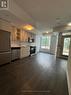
x=41 y=74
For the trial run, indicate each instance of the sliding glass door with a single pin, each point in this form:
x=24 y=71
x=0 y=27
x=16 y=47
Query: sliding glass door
x=45 y=42
x=66 y=46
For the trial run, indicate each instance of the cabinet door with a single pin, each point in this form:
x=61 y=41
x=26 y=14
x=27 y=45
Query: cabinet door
x=5 y=58
x=25 y=51
x=15 y=54
x=18 y=53
x=24 y=36
x=14 y=34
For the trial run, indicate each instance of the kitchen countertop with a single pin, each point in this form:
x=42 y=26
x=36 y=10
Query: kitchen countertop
x=15 y=47
x=18 y=47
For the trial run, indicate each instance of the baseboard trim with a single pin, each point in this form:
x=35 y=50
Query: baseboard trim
x=47 y=52
x=68 y=81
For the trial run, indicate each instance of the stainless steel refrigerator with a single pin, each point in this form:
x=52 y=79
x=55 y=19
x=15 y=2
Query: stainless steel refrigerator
x=5 y=49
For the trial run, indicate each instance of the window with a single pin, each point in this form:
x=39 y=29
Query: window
x=45 y=42
x=66 y=46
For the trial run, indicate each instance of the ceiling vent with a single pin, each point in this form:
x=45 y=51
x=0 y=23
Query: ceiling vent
x=4 y=4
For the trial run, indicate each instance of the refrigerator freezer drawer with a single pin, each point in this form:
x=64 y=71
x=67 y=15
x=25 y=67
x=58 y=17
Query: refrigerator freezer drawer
x=5 y=57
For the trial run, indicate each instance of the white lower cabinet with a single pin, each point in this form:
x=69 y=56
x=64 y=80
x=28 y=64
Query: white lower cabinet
x=24 y=51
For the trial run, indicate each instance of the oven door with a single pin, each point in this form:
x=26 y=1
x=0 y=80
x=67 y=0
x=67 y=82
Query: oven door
x=32 y=49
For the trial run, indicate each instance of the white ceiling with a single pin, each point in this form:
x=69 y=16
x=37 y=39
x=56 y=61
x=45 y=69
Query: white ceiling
x=45 y=12
x=11 y=18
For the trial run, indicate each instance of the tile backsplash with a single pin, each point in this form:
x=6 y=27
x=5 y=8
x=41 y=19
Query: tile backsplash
x=21 y=43
x=15 y=44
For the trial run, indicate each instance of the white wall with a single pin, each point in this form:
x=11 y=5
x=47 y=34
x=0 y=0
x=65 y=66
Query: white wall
x=5 y=26
x=53 y=45
x=38 y=36
x=69 y=71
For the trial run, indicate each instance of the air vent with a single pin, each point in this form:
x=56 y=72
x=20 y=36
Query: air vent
x=4 y=4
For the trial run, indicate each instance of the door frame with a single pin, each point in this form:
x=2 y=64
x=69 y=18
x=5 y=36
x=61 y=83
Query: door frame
x=66 y=36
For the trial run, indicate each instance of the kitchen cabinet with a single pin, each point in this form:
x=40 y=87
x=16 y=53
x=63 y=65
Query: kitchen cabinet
x=18 y=34
x=21 y=35
x=14 y=34
x=5 y=57
x=15 y=53
x=24 y=51
x=20 y=52
x=24 y=35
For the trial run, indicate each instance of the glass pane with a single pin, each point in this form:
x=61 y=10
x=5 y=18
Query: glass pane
x=48 y=42
x=66 y=46
x=45 y=42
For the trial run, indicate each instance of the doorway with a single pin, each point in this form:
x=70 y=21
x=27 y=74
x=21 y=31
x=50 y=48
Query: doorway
x=66 y=44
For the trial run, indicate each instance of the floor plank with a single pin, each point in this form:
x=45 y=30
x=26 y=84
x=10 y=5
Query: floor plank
x=42 y=74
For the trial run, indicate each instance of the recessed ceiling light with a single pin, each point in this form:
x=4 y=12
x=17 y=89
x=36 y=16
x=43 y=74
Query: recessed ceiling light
x=47 y=32
x=69 y=24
